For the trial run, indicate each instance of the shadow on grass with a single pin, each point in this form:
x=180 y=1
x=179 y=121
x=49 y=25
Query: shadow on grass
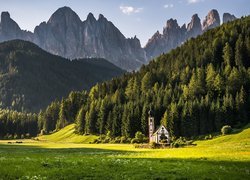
x=94 y=163
x=69 y=150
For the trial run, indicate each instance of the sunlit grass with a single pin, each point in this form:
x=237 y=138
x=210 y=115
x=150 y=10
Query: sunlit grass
x=225 y=157
x=68 y=135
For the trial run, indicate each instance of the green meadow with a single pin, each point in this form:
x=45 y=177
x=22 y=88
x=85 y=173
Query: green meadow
x=224 y=157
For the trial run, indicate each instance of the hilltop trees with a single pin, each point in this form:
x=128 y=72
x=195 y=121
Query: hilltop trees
x=195 y=89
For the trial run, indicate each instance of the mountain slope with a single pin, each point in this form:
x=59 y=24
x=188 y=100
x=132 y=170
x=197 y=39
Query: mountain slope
x=195 y=89
x=31 y=78
x=174 y=35
x=68 y=135
x=64 y=34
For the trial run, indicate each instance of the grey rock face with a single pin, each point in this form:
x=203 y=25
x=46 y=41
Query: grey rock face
x=227 y=17
x=64 y=34
x=212 y=20
x=174 y=36
x=194 y=27
x=61 y=35
x=10 y=30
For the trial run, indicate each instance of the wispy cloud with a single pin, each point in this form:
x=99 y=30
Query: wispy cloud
x=194 y=1
x=130 y=10
x=168 y=6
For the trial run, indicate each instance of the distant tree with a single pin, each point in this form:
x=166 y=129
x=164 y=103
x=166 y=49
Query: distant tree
x=228 y=55
x=80 y=120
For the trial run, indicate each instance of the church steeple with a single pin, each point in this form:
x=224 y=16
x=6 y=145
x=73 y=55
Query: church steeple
x=151 y=125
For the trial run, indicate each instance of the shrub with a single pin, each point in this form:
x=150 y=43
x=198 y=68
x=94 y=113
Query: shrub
x=139 y=136
x=106 y=140
x=135 y=140
x=208 y=137
x=179 y=142
x=226 y=130
x=153 y=145
x=123 y=139
x=117 y=140
x=145 y=140
x=164 y=141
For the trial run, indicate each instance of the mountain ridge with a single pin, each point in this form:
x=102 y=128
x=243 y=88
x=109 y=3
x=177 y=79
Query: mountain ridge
x=31 y=78
x=66 y=35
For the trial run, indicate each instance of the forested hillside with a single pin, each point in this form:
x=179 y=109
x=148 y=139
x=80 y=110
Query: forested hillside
x=195 y=89
x=30 y=78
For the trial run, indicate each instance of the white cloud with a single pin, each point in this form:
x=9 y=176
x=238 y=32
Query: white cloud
x=130 y=10
x=193 y=1
x=168 y=6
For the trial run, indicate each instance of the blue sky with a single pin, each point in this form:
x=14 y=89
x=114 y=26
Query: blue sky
x=133 y=17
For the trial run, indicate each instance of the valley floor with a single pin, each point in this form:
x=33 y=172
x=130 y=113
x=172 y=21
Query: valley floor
x=226 y=157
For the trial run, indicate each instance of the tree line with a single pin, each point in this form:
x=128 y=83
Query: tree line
x=195 y=89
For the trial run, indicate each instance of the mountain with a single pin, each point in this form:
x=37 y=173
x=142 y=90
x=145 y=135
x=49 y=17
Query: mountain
x=64 y=34
x=212 y=20
x=193 y=90
x=173 y=35
x=31 y=78
x=227 y=17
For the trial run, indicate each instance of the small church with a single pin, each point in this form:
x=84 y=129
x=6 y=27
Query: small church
x=159 y=134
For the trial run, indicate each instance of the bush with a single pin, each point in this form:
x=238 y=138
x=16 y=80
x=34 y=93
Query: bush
x=208 y=137
x=139 y=136
x=145 y=140
x=135 y=141
x=123 y=139
x=179 y=142
x=226 y=130
x=164 y=141
x=153 y=145
x=117 y=140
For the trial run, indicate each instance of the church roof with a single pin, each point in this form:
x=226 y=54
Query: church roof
x=159 y=129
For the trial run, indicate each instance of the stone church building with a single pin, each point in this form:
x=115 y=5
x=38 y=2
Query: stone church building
x=159 y=134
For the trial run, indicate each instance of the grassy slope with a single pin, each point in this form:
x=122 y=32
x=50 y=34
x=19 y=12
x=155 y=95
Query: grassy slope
x=68 y=135
x=225 y=157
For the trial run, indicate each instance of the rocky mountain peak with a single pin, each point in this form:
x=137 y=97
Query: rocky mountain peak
x=194 y=27
x=227 y=17
x=91 y=18
x=101 y=18
x=212 y=20
x=5 y=16
x=172 y=24
x=9 y=29
x=64 y=15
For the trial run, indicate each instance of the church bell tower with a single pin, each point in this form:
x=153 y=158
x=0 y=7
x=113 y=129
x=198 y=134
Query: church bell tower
x=151 y=126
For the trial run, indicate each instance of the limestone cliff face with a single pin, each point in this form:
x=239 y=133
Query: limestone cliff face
x=227 y=17
x=174 y=36
x=64 y=34
x=212 y=20
x=194 y=27
x=61 y=34
x=10 y=30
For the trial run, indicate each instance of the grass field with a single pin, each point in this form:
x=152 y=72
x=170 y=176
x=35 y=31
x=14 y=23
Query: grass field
x=226 y=157
x=67 y=135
